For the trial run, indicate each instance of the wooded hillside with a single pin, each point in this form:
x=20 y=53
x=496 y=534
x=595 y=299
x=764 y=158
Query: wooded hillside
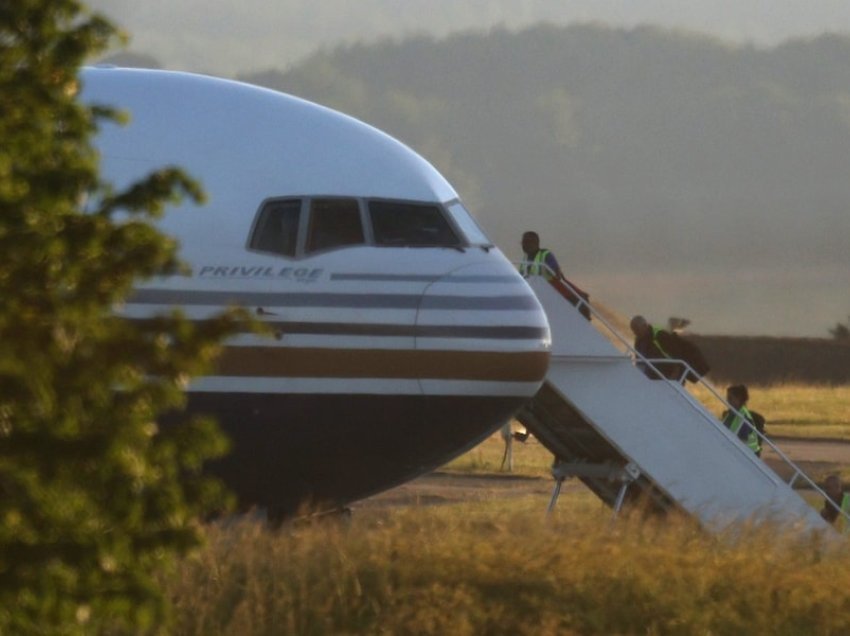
x=634 y=147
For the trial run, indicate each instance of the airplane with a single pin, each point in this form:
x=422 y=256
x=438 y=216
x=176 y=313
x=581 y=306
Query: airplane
x=402 y=336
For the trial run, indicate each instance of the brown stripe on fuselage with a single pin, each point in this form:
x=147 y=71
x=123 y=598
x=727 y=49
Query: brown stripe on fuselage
x=312 y=362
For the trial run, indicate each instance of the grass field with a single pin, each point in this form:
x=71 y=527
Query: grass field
x=500 y=570
x=498 y=567
x=530 y=458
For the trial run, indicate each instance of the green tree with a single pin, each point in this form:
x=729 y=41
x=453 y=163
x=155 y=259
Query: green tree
x=96 y=502
x=841 y=331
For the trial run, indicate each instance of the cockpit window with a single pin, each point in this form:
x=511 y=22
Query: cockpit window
x=334 y=223
x=296 y=227
x=467 y=224
x=277 y=227
x=410 y=224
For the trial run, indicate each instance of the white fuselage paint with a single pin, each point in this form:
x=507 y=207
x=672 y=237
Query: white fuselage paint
x=362 y=320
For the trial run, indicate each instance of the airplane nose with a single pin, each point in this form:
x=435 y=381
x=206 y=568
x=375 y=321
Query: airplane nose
x=474 y=348
x=485 y=332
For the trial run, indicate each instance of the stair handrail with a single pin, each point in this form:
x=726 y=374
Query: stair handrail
x=679 y=388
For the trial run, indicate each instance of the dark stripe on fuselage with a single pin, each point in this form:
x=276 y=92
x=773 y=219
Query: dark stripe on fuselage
x=427 y=278
x=420 y=331
x=331 y=300
x=312 y=362
x=283 y=328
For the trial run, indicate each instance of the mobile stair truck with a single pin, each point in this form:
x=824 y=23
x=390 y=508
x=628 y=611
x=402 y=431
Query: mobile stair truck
x=628 y=437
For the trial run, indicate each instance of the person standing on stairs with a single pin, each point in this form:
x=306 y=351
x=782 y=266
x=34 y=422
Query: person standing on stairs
x=542 y=262
x=654 y=343
x=741 y=425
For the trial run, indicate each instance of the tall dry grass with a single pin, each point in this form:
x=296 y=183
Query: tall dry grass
x=498 y=568
x=462 y=570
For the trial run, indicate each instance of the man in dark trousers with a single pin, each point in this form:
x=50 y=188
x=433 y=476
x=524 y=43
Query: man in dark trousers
x=654 y=343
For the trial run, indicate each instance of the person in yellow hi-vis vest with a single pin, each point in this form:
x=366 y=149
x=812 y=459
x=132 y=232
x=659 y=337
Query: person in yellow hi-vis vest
x=536 y=258
x=542 y=262
x=835 y=493
x=654 y=343
x=741 y=425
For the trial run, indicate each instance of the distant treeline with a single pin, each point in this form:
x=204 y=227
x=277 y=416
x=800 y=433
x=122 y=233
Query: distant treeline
x=762 y=360
x=637 y=148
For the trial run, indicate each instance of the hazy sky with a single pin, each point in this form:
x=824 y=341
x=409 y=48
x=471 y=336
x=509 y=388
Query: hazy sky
x=227 y=37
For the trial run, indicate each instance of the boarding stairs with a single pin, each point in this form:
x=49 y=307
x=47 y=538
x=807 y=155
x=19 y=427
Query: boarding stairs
x=627 y=437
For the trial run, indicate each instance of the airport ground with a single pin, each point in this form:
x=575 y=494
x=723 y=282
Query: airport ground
x=478 y=476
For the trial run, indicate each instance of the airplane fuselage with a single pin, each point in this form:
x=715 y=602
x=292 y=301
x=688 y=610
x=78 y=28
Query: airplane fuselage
x=400 y=336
